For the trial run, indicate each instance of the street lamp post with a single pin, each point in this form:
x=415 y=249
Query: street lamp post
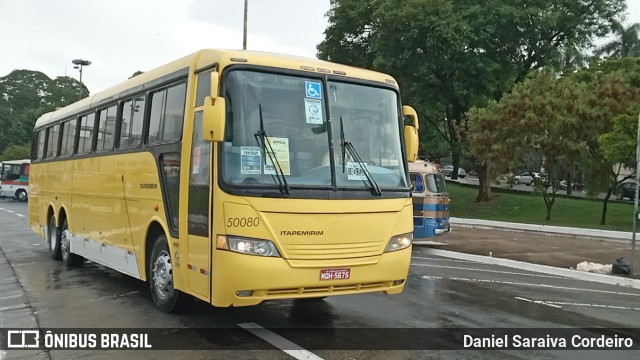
x=244 y=36
x=79 y=63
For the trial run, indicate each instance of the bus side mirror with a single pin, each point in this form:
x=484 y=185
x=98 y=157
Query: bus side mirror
x=214 y=112
x=213 y=119
x=411 y=133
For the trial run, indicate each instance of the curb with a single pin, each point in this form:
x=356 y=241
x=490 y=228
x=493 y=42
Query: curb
x=558 y=230
x=551 y=270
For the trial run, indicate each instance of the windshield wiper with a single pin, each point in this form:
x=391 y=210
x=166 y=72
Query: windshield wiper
x=263 y=140
x=348 y=147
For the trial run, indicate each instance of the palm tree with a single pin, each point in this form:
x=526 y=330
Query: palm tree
x=625 y=44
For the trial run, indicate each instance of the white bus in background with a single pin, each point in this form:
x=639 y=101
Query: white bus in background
x=14 y=179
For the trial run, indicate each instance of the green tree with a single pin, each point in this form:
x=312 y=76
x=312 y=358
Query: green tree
x=540 y=119
x=451 y=55
x=16 y=152
x=614 y=91
x=626 y=42
x=25 y=95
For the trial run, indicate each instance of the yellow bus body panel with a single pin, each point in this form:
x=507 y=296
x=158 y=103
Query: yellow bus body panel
x=312 y=235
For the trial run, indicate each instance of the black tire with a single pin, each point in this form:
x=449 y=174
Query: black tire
x=165 y=296
x=69 y=259
x=21 y=195
x=53 y=240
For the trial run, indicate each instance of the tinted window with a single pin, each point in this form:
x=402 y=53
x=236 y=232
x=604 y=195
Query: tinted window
x=41 y=139
x=86 y=133
x=204 y=87
x=436 y=183
x=416 y=181
x=68 y=134
x=167 y=114
x=198 y=217
x=171 y=172
x=132 y=119
x=106 y=128
x=52 y=141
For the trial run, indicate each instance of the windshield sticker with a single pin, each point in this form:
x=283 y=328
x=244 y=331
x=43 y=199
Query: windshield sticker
x=355 y=172
x=313 y=90
x=313 y=111
x=280 y=148
x=250 y=160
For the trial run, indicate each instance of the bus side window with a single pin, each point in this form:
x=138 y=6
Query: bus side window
x=106 y=128
x=40 y=147
x=416 y=181
x=167 y=114
x=85 y=136
x=171 y=172
x=198 y=218
x=132 y=121
x=52 y=141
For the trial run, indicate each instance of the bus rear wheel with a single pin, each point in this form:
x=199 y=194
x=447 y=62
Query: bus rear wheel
x=21 y=195
x=69 y=259
x=165 y=296
x=54 y=240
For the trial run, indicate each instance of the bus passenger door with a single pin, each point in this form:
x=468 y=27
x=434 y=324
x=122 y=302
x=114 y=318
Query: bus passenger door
x=198 y=214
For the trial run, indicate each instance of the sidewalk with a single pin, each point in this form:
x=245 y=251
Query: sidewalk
x=550 y=249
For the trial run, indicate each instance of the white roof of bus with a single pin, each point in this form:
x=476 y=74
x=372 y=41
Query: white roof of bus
x=421 y=166
x=207 y=57
x=25 y=161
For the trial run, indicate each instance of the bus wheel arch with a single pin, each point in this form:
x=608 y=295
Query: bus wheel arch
x=70 y=259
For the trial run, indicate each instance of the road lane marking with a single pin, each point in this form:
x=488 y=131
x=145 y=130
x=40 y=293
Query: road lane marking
x=489 y=271
x=20 y=215
x=278 y=341
x=538 y=285
x=539 y=302
x=10 y=211
x=595 y=305
x=558 y=304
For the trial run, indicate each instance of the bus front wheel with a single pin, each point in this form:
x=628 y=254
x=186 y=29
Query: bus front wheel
x=54 y=240
x=165 y=296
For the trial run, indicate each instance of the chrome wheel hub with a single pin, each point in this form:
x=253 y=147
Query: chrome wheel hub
x=163 y=275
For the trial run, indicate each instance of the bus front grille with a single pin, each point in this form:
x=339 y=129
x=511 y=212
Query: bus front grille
x=328 y=290
x=332 y=251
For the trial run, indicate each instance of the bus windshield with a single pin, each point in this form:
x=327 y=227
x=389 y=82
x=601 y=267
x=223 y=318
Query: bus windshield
x=277 y=132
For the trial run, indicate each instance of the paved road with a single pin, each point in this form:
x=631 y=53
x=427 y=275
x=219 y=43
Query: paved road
x=442 y=293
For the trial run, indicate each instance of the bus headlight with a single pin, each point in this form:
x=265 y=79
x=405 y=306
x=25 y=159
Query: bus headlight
x=399 y=242
x=247 y=246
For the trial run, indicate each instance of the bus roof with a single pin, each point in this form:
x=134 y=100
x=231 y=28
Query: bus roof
x=13 y=162
x=206 y=58
x=421 y=166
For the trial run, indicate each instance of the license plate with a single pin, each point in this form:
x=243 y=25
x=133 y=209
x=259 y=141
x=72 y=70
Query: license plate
x=335 y=274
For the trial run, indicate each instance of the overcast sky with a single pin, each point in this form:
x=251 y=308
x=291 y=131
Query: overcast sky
x=120 y=37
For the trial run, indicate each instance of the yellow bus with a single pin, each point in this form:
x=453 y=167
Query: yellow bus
x=235 y=177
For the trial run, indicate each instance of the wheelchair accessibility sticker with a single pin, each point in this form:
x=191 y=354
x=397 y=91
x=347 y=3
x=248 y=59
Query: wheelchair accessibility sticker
x=313 y=90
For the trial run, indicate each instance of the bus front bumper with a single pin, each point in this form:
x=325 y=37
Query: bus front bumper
x=249 y=280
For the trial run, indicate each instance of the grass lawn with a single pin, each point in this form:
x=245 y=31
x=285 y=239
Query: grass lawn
x=529 y=208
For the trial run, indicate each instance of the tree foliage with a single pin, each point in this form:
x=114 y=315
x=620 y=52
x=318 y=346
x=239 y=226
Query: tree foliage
x=540 y=118
x=562 y=121
x=24 y=96
x=625 y=43
x=16 y=152
x=452 y=55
